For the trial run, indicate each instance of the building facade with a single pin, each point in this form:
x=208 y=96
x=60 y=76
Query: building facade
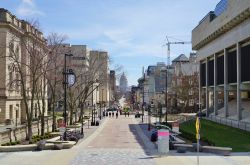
x=223 y=48
x=21 y=45
x=100 y=61
x=185 y=86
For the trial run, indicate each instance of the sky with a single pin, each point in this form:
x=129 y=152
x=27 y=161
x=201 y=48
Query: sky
x=133 y=32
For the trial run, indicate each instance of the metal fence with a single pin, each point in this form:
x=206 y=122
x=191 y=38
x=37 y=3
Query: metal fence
x=230 y=122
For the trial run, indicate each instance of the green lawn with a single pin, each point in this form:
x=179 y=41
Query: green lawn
x=218 y=135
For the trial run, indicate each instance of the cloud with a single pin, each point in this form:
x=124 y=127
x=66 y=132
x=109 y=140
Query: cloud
x=28 y=8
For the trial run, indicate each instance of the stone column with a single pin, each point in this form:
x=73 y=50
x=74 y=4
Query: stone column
x=225 y=83
x=207 y=94
x=215 y=86
x=239 y=110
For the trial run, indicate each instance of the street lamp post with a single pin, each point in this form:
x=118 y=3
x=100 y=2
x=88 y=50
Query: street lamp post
x=101 y=106
x=166 y=97
x=65 y=82
x=143 y=98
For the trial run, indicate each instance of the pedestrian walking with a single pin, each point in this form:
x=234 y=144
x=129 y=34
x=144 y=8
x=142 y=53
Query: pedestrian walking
x=109 y=114
x=125 y=114
x=112 y=113
x=128 y=114
x=116 y=114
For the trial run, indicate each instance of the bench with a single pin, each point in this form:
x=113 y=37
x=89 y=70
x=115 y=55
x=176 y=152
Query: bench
x=181 y=147
x=226 y=151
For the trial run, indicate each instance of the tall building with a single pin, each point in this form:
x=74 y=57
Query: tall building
x=123 y=83
x=223 y=45
x=99 y=59
x=17 y=40
x=112 y=85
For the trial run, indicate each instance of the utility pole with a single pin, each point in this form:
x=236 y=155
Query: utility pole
x=65 y=83
x=143 y=105
x=92 y=114
x=166 y=96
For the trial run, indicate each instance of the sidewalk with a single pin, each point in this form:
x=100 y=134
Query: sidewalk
x=50 y=157
x=190 y=158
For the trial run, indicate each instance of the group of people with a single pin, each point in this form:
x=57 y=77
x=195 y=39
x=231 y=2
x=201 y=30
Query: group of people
x=113 y=113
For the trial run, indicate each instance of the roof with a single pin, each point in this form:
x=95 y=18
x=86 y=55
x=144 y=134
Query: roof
x=181 y=58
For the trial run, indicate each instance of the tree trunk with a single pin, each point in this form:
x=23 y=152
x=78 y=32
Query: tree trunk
x=42 y=125
x=53 y=114
x=29 y=135
x=71 y=114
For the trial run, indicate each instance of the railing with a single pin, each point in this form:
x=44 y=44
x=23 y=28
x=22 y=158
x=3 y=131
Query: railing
x=230 y=122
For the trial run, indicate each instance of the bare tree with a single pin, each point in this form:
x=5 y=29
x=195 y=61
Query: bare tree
x=89 y=76
x=26 y=64
x=54 y=73
x=186 y=87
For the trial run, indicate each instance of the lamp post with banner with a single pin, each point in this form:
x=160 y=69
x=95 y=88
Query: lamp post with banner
x=68 y=81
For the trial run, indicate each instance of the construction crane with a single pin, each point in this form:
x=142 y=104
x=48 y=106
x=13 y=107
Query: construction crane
x=168 y=44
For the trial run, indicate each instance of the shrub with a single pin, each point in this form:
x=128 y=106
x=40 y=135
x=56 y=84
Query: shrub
x=13 y=143
x=18 y=142
x=3 y=144
x=31 y=142
x=37 y=139
x=8 y=144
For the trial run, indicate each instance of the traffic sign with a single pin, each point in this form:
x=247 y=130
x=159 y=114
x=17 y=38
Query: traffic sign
x=197 y=125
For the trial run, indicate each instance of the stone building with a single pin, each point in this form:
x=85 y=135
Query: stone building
x=185 y=83
x=123 y=83
x=223 y=46
x=101 y=61
x=21 y=45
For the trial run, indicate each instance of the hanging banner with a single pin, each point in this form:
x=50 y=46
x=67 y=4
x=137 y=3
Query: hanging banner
x=71 y=78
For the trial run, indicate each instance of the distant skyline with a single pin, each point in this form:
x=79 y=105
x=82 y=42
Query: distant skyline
x=133 y=32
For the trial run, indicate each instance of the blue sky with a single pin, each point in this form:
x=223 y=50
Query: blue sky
x=132 y=31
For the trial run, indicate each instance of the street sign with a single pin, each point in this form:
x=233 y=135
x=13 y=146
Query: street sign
x=197 y=125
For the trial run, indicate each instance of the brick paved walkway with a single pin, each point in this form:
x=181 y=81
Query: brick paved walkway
x=117 y=143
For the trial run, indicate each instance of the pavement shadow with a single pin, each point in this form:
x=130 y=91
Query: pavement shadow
x=143 y=140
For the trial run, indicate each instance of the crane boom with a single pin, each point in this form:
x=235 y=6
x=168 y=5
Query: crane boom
x=168 y=44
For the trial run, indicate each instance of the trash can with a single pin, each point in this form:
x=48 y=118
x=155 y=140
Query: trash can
x=163 y=141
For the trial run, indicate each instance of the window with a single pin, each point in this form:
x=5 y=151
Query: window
x=17 y=53
x=11 y=49
x=191 y=102
x=190 y=81
x=11 y=111
x=220 y=101
x=17 y=110
x=190 y=92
